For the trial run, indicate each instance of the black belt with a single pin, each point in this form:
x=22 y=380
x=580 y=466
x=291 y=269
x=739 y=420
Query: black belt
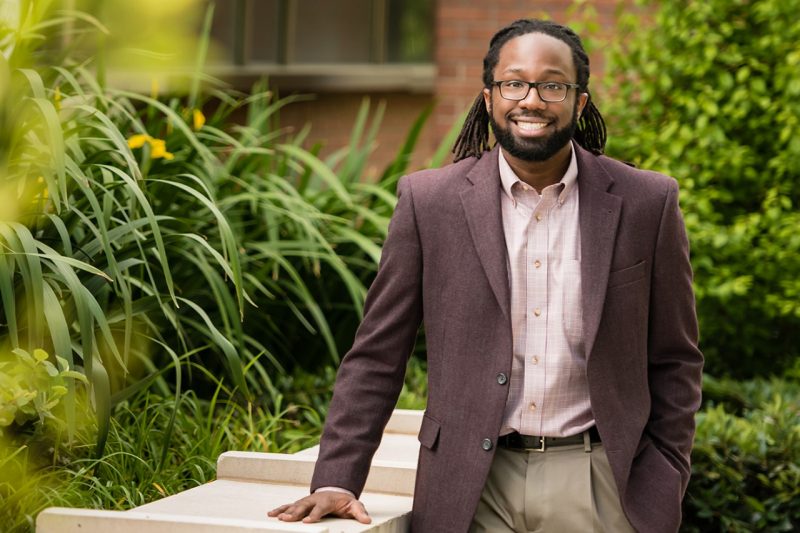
x=515 y=441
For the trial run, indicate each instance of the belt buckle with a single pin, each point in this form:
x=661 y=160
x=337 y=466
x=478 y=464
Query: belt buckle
x=541 y=447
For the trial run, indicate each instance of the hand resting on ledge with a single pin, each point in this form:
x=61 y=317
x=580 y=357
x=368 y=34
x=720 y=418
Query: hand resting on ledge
x=320 y=504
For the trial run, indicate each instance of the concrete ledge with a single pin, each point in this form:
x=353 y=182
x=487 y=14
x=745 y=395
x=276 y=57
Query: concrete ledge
x=62 y=520
x=249 y=484
x=393 y=477
x=227 y=500
x=405 y=421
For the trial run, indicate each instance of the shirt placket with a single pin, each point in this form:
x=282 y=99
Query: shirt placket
x=537 y=315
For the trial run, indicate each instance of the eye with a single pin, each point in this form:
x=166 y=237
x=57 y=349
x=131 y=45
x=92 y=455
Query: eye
x=552 y=86
x=515 y=84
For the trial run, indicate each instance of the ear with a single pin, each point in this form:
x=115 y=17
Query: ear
x=487 y=100
x=583 y=99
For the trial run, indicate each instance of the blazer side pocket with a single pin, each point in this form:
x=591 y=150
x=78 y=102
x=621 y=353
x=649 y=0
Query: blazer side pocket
x=429 y=432
x=627 y=275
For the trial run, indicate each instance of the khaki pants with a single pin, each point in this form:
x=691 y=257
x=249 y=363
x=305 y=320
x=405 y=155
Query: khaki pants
x=565 y=489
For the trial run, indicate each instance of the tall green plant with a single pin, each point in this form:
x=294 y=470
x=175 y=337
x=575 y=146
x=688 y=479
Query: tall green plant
x=114 y=245
x=708 y=92
x=142 y=230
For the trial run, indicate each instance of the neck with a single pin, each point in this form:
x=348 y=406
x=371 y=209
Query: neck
x=540 y=174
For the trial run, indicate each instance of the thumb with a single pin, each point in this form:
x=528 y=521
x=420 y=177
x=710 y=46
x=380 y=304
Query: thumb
x=359 y=512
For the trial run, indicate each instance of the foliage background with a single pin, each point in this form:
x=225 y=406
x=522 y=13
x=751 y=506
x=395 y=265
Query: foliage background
x=710 y=94
x=180 y=274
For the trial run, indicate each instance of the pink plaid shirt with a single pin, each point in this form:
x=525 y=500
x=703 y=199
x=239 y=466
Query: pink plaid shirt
x=549 y=392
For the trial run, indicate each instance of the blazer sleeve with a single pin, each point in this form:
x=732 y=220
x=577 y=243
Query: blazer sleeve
x=370 y=377
x=675 y=362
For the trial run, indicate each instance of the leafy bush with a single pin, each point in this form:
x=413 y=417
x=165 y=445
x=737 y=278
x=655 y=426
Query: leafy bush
x=746 y=459
x=708 y=92
x=31 y=388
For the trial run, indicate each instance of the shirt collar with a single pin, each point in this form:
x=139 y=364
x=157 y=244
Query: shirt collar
x=508 y=177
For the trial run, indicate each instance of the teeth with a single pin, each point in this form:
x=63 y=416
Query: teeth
x=531 y=126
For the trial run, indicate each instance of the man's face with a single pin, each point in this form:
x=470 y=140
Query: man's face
x=531 y=129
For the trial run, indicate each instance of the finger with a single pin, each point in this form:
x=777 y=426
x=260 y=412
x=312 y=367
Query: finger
x=316 y=513
x=330 y=504
x=359 y=512
x=295 y=511
x=278 y=510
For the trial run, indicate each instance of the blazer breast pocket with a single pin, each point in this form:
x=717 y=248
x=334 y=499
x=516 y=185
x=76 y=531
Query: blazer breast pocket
x=627 y=275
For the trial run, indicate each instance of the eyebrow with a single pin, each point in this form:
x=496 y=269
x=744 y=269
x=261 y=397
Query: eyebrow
x=520 y=70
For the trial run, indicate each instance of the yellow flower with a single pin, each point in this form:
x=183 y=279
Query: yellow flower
x=43 y=193
x=159 y=149
x=138 y=140
x=198 y=119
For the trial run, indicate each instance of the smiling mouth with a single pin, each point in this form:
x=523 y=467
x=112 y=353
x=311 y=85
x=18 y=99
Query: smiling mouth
x=531 y=126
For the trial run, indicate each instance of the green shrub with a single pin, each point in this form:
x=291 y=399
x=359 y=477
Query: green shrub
x=32 y=388
x=746 y=460
x=708 y=92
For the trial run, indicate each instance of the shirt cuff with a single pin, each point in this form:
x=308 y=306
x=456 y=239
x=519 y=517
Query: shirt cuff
x=335 y=489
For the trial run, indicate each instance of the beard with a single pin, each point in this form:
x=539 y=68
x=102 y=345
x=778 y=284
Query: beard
x=534 y=150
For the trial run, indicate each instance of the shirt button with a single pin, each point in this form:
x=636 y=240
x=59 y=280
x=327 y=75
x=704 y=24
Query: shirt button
x=535 y=360
x=502 y=378
x=532 y=406
x=537 y=263
x=486 y=444
x=537 y=311
x=538 y=218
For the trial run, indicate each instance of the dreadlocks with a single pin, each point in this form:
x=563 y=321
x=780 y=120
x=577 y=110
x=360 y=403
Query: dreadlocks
x=591 y=130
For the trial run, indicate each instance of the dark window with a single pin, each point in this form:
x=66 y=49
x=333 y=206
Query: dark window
x=263 y=32
x=410 y=31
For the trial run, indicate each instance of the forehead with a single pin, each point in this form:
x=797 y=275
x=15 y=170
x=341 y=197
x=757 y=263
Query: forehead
x=535 y=54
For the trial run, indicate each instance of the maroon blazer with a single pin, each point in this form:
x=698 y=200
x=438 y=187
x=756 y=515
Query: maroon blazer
x=444 y=260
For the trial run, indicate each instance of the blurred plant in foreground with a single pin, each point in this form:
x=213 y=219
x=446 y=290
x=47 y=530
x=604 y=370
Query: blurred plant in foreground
x=31 y=388
x=68 y=284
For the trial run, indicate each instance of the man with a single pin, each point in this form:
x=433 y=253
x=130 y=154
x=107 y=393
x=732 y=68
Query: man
x=555 y=287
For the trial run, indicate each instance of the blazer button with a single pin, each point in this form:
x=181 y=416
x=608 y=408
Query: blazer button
x=502 y=379
x=486 y=444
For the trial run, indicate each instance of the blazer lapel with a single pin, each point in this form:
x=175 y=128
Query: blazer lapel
x=481 y=202
x=599 y=213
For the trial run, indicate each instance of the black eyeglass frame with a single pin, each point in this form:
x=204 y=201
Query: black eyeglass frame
x=534 y=85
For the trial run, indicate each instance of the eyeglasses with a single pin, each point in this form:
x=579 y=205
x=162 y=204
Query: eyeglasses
x=549 y=91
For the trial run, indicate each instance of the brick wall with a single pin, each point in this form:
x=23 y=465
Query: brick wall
x=332 y=116
x=463 y=29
